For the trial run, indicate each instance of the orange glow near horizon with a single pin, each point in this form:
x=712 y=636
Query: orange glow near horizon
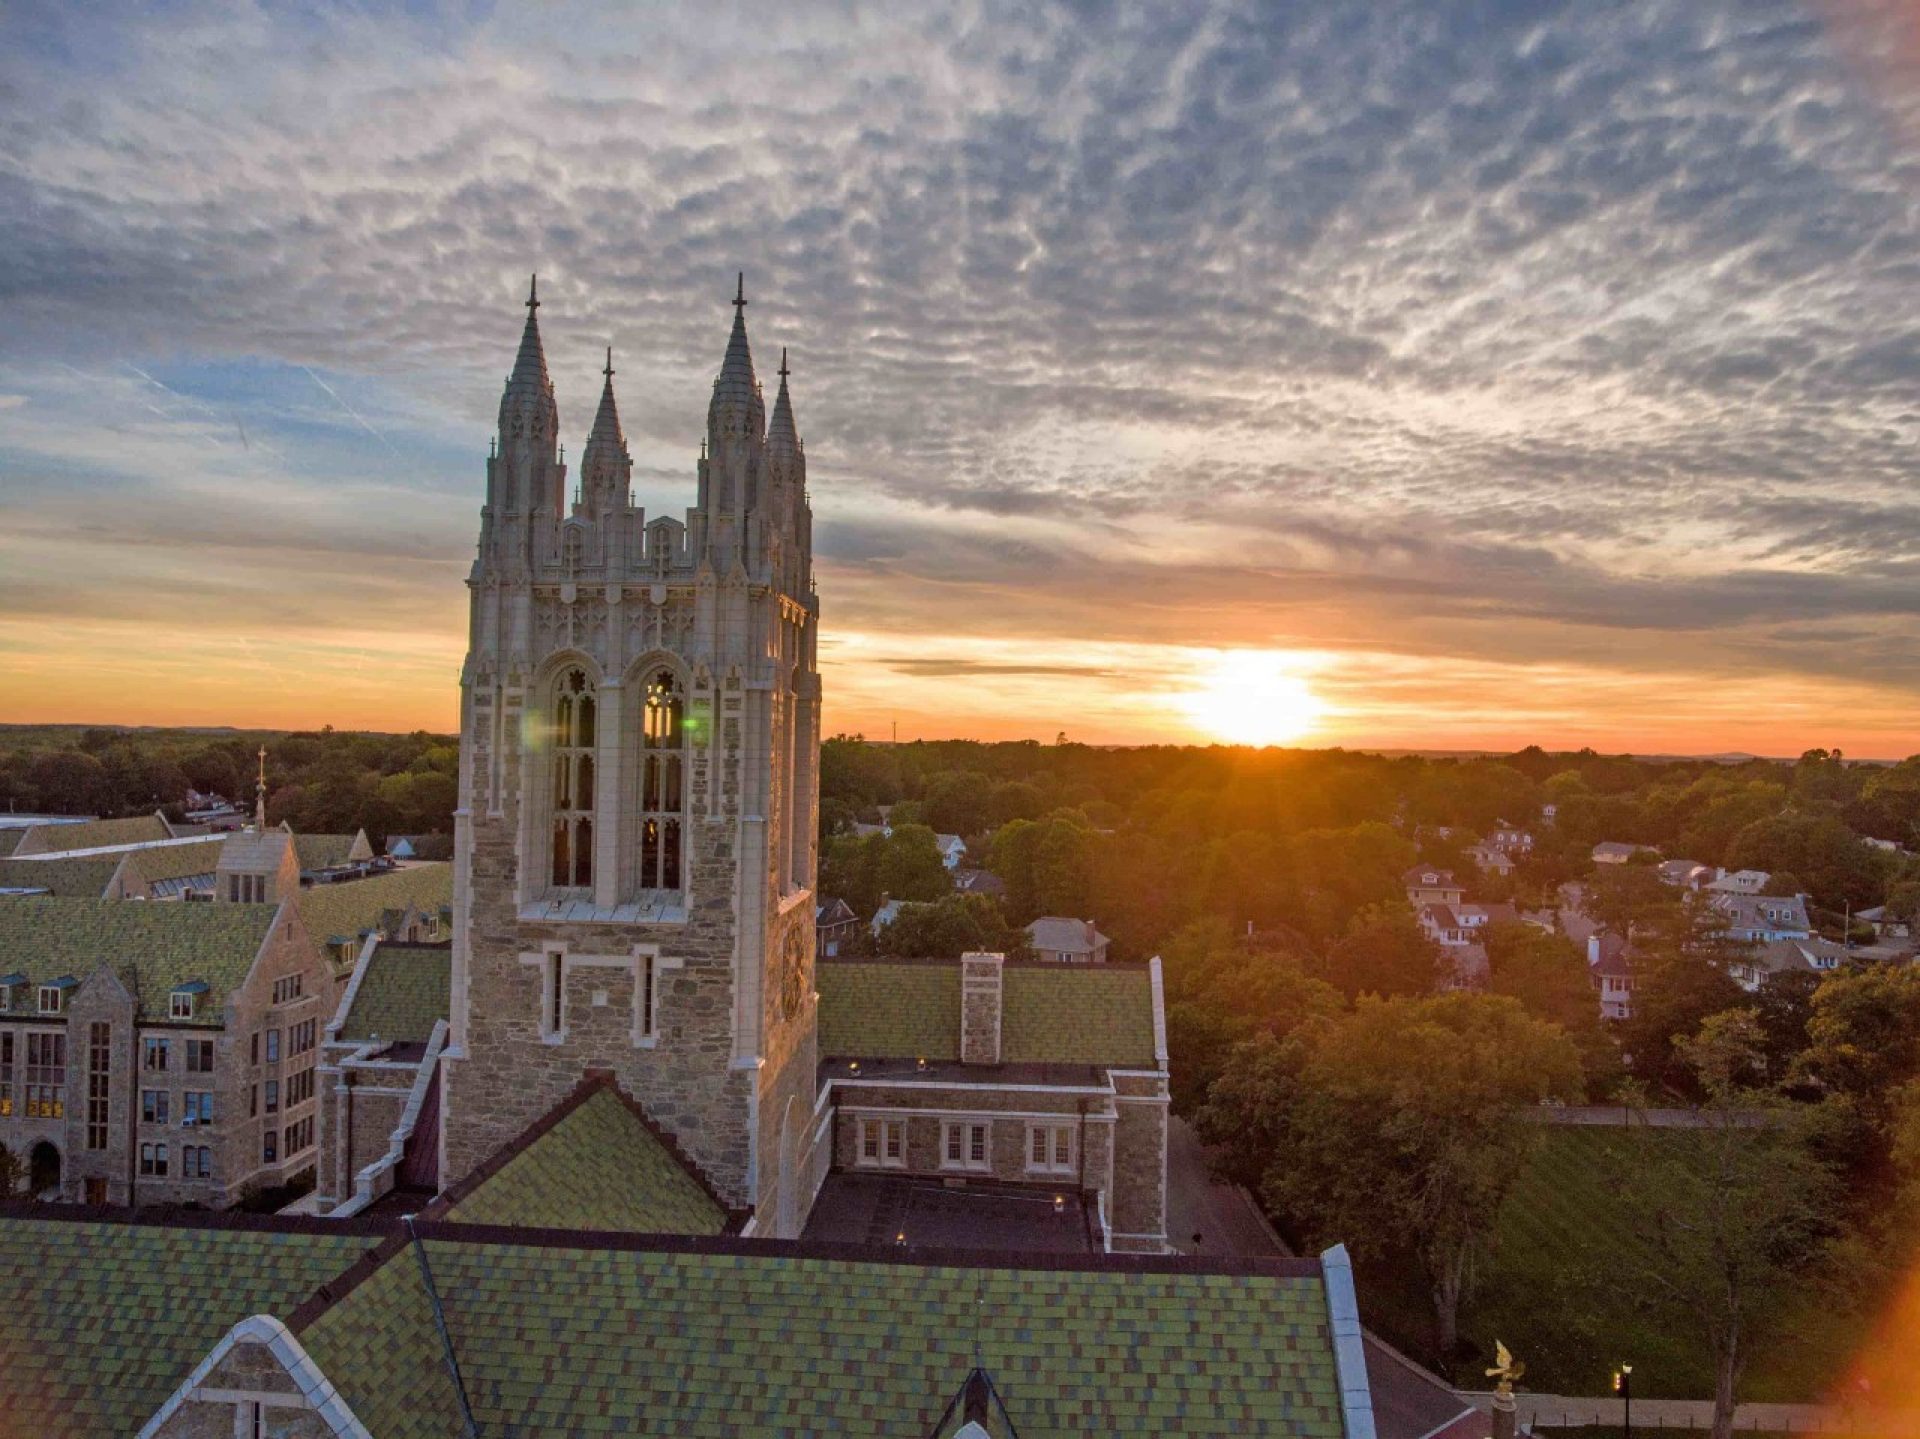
x=1248 y=697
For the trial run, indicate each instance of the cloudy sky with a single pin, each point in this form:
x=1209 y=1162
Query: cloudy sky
x=1430 y=375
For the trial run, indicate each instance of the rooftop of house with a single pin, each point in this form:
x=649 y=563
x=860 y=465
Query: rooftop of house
x=1614 y=849
x=978 y=881
x=335 y=913
x=1059 y=934
x=1763 y=911
x=891 y=1209
x=833 y=911
x=1812 y=955
x=401 y=991
x=1429 y=876
x=1051 y=1014
x=152 y=947
x=594 y=1162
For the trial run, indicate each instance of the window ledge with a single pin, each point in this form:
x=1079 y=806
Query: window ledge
x=585 y=911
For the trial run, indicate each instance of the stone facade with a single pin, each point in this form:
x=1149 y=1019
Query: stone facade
x=128 y=1153
x=634 y=852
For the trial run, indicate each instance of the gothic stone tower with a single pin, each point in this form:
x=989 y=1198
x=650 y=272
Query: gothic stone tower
x=640 y=729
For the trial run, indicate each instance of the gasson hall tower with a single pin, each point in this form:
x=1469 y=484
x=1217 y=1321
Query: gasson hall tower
x=635 y=852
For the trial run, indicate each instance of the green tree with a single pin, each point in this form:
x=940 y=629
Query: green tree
x=1385 y=951
x=950 y=926
x=1548 y=974
x=1398 y=1122
x=910 y=866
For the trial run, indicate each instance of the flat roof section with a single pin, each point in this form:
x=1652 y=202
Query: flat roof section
x=878 y=1209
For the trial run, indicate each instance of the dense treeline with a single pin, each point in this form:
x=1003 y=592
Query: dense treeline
x=329 y=781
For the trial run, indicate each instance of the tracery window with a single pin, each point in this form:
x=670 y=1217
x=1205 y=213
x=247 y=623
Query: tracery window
x=663 y=783
x=574 y=714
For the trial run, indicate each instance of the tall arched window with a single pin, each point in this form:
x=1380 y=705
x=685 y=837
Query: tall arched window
x=663 y=783
x=573 y=739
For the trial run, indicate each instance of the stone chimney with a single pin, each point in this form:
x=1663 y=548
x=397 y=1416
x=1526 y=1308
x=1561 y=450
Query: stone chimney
x=1093 y=935
x=980 y=1008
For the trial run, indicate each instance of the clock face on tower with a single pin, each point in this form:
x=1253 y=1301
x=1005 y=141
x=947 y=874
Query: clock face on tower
x=793 y=973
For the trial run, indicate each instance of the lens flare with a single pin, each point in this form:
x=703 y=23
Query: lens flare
x=1252 y=697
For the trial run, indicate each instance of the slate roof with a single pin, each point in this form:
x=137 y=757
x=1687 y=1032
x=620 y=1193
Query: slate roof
x=334 y=912
x=594 y=1163
x=103 y=1320
x=65 y=878
x=1058 y=934
x=575 y=1334
x=404 y=990
x=10 y=839
x=153 y=947
x=1051 y=1013
x=176 y=861
x=94 y=834
x=319 y=851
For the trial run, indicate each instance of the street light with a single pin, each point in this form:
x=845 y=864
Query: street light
x=1623 y=1386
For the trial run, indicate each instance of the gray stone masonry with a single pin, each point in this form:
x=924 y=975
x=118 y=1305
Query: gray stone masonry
x=980 y=997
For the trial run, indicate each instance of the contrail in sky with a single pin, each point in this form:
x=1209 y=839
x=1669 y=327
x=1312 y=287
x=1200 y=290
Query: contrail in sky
x=349 y=409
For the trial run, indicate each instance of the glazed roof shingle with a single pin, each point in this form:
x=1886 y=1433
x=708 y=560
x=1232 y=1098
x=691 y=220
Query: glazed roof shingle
x=344 y=911
x=403 y=992
x=599 y=1166
x=152 y=947
x=1051 y=1014
x=103 y=1321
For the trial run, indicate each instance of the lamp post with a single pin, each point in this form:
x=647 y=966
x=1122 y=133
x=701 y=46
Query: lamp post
x=1623 y=1386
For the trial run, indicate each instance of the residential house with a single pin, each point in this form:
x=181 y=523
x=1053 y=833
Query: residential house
x=833 y=923
x=979 y=881
x=952 y=849
x=1426 y=884
x=1612 y=852
x=1761 y=961
x=1510 y=838
x=1059 y=940
x=1489 y=859
x=1685 y=873
x=1883 y=927
x=1610 y=970
x=1763 y=918
x=1739 y=881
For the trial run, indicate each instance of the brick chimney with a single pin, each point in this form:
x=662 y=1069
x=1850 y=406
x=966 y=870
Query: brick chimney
x=980 y=1008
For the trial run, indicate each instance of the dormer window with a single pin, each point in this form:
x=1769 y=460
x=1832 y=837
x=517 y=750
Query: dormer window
x=10 y=991
x=184 y=998
x=53 y=996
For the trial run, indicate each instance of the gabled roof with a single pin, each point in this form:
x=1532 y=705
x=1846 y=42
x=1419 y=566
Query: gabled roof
x=104 y=1319
x=345 y=911
x=1050 y=1014
x=403 y=992
x=65 y=878
x=575 y=1334
x=1062 y=935
x=1429 y=876
x=595 y=1162
x=153 y=947
x=247 y=851
x=175 y=861
x=320 y=851
x=92 y=834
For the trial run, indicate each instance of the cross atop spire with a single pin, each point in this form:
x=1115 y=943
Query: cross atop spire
x=260 y=795
x=740 y=293
x=783 y=371
x=533 y=294
x=608 y=372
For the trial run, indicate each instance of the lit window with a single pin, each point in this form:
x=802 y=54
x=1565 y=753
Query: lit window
x=663 y=783
x=882 y=1143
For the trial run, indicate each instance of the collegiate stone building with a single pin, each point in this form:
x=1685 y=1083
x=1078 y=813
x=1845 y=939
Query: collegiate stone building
x=634 y=846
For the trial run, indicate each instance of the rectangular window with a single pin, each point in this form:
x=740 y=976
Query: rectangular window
x=153 y=1106
x=273 y=1096
x=49 y=999
x=196 y=1106
x=99 y=1087
x=153 y=1161
x=964 y=1145
x=256 y=1048
x=196 y=1161
x=156 y=1052
x=643 y=982
x=553 y=995
x=1049 y=1149
x=46 y=1076
x=270 y=1146
x=199 y=1056
x=273 y=1046
x=6 y=1074
x=181 y=1006
x=253 y=1102
x=882 y=1143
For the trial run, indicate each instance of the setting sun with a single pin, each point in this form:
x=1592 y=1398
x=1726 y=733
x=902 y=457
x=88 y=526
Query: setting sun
x=1250 y=697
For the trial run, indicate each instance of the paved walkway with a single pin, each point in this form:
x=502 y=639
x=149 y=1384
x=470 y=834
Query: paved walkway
x=1551 y=1411
x=1618 y=1116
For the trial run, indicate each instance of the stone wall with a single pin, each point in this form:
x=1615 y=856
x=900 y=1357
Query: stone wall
x=980 y=1000
x=1139 y=1197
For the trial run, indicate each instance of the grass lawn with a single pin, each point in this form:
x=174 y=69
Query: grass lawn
x=1560 y=1291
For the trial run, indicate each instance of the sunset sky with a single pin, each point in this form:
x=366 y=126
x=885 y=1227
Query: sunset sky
x=1424 y=375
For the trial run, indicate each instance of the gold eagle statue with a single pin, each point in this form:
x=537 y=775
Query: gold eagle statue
x=1506 y=1369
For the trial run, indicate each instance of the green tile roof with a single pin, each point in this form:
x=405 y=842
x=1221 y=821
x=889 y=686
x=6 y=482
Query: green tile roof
x=342 y=911
x=1052 y=1014
x=153 y=947
x=96 y=833
x=599 y=1167
x=103 y=1321
x=562 y=1340
x=317 y=851
x=175 y=861
x=403 y=992
x=66 y=878
x=10 y=839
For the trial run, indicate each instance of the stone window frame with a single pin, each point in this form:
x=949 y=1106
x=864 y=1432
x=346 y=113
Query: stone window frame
x=200 y=1048
x=99 y=1083
x=180 y=1006
x=663 y=770
x=273 y=1096
x=1054 y=1131
x=885 y=1134
x=154 y=1054
x=574 y=747
x=153 y=1159
x=156 y=1106
x=957 y=1140
x=196 y=1108
x=50 y=999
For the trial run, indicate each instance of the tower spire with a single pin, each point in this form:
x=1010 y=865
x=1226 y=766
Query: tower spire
x=260 y=796
x=736 y=384
x=603 y=464
x=783 y=439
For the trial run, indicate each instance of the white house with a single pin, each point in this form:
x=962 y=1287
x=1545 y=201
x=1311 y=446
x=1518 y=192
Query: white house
x=1739 y=881
x=1610 y=970
x=1491 y=859
x=952 y=849
x=1784 y=956
x=1067 y=941
x=1613 y=852
x=1764 y=918
x=1510 y=838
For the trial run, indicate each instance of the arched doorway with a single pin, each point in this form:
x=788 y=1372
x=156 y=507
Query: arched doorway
x=787 y=1219
x=43 y=1169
